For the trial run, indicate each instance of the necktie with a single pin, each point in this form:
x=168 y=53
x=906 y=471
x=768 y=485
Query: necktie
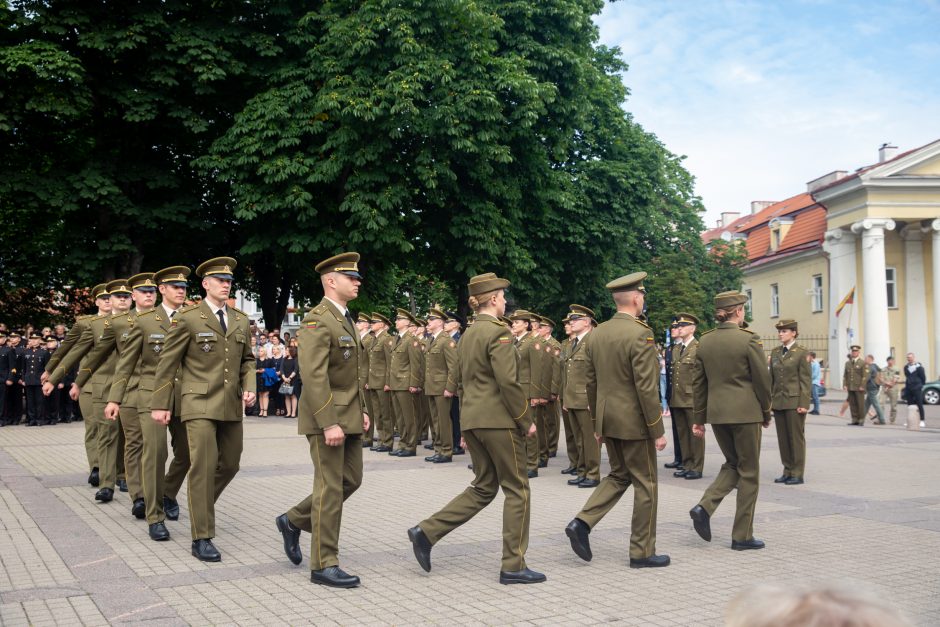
x=221 y=314
x=349 y=319
x=785 y=350
x=172 y=314
x=681 y=350
x=574 y=345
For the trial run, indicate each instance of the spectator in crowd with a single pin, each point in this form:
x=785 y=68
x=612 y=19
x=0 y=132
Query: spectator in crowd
x=288 y=374
x=276 y=398
x=915 y=377
x=264 y=368
x=662 y=382
x=274 y=339
x=286 y=340
x=872 y=387
x=890 y=377
x=816 y=376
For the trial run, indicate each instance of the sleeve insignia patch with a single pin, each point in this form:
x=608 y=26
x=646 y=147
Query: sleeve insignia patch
x=650 y=339
x=310 y=325
x=504 y=340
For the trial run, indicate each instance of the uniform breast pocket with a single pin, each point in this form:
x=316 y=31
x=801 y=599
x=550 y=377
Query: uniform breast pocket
x=207 y=342
x=155 y=345
x=345 y=349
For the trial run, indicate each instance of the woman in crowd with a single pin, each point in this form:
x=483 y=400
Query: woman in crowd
x=275 y=396
x=288 y=374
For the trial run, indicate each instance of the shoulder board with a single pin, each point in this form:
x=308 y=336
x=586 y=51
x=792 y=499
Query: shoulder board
x=746 y=330
x=641 y=323
x=497 y=323
x=319 y=309
x=86 y=317
x=237 y=310
x=707 y=332
x=146 y=313
x=187 y=308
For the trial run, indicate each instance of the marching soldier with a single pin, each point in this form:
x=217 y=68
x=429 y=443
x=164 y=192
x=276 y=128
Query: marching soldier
x=404 y=381
x=138 y=364
x=731 y=390
x=623 y=395
x=364 y=329
x=440 y=385
x=380 y=353
x=495 y=422
x=333 y=420
x=791 y=389
x=680 y=402
x=587 y=467
x=854 y=379
x=34 y=362
x=207 y=348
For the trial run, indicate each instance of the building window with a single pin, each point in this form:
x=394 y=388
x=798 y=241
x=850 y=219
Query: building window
x=817 y=293
x=747 y=306
x=891 y=279
x=774 y=300
x=775 y=239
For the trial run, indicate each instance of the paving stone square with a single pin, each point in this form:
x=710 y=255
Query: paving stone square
x=867 y=518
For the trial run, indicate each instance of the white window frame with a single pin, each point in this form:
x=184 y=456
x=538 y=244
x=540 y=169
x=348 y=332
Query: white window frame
x=748 y=307
x=774 y=300
x=817 y=293
x=891 y=284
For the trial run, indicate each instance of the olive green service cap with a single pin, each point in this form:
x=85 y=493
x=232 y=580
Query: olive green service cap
x=174 y=275
x=685 y=318
x=576 y=312
x=143 y=282
x=118 y=286
x=628 y=283
x=786 y=324
x=362 y=317
x=219 y=267
x=729 y=299
x=100 y=291
x=377 y=317
x=344 y=263
x=488 y=282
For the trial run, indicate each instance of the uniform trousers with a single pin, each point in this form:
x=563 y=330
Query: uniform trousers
x=693 y=448
x=541 y=421
x=589 y=451
x=740 y=444
x=215 y=450
x=108 y=436
x=373 y=422
x=35 y=404
x=384 y=429
x=791 y=437
x=553 y=424
x=498 y=457
x=440 y=418
x=337 y=473
x=857 y=406
x=891 y=394
x=86 y=405
x=632 y=462
x=404 y=403
x=133 y=448
x=532 y=445
x=156 y=479
x=571 y=441
x=422 y=418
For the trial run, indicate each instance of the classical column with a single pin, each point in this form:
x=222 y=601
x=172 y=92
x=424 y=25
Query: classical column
x=840 y=246
x=915 y=303
x=876 y=337
x=935 y=278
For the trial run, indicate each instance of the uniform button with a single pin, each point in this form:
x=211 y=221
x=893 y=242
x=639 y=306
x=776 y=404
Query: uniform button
x=226 y=370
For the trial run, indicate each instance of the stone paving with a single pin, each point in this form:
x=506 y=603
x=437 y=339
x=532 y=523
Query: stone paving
x=868 y=518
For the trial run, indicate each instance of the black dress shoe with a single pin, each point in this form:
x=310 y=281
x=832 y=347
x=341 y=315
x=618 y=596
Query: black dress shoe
x=206 y=551
x=702 y=522
x=104 y=495
x=32 y=423
x=795 y=481
x=679 y=473
x=381 y=449
x=577 y=531
x=672 y=465
x=570 y=470
x=431 y=458
x=782 y=479
x=470 y=466
x=406 y=454
x=159 y=532
x=693 y=474
x=291 y=535
x=543 y=463
x=814 y=413
x=171 y=508
x=94 y=477
x=578 y=479
x=589 y=483
x=553 y=453
x=443 y=459
x=421 y=546
x=335 y=577
x=653 y=561
x=122 y=485
x=747 y=545
x=532 y=474
x=138 y=510
x=520 y=576
x=429 y=447
x=459 y=450
x=395 y=452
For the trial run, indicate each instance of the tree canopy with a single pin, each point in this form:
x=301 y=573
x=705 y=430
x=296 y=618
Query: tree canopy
x=439 y=139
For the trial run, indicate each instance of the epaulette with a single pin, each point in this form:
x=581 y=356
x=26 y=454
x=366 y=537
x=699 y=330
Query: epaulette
x=319 y=309
x=498 y=323
x=145 y=313
x=641 y=323
x=186 y=308
x=237 y=310
x=707 y=332
x=86 y=317
x=746 y=330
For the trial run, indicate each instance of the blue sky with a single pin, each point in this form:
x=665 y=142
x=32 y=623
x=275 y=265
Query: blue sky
x=763 y=96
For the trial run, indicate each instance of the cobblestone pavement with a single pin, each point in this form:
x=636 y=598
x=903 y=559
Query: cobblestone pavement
x=868 y=518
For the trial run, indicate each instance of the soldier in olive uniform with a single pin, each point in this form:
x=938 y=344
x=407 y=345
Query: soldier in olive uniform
x=854 y=379
x=548 y=410
x=731 y=390
x=138 y=362
x=891 y=376
x=405 y=379
x=571 y=445
x=791 y=388
x=380 y=354
x=680 y=401
x=331 y=416
x=84 y=398
x=575 y=400
x=623 y=396
x=440 y=385
x=208 y=350
x=523 y=328
x=364 y=329
x=495 y=420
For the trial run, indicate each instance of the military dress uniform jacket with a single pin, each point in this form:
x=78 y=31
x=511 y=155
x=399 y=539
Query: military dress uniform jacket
x=405 y=369
x=623 y=380
x=215 y=366
x=328 y=358
x=366 y=342
x=574 y=393
x=683 y=371
x=139 y=359
x=71 y=338
x=380 y=353
x=99 y=376
x=547 y=381
x=440 y=372
x=34 y=361
x=855 y=374
x=791 y=378
x=493 y=397
x=743 y=393
x=529 y=371
x=108 y=350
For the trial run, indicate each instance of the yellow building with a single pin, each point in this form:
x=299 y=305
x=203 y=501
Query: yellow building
x=869 y=240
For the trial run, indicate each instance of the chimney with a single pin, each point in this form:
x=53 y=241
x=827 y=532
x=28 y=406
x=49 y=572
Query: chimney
x=824 y=180
x=727 y=217
x=887 y=152
x=759 y=205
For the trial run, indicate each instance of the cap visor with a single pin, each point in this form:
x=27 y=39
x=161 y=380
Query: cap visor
x=175 y=283
x=353 y=274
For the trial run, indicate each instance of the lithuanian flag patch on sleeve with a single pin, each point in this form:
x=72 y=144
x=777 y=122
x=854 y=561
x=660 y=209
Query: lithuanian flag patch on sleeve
x=504 y=340
x=310 y=325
